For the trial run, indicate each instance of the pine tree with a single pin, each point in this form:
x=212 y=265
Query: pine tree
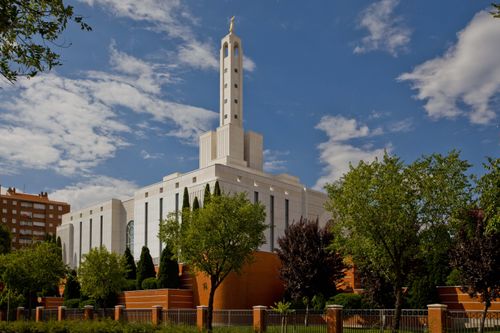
x=168 y=275
x=130 y=265
x=217 y=191
x=145 y=267
x=207 y=195
x=185 y=199
x=196 y=204
x=72 y=287
x=59 y=243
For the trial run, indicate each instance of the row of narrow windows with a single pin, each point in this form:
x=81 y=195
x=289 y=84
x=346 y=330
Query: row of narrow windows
x=235 y=101
x=236 y=50
x=235 y=85
x=235 y=70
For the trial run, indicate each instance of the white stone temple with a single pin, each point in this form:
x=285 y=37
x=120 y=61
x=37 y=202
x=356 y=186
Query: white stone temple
x=229 y=154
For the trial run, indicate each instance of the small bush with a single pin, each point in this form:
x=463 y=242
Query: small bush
x=87 y=302
x=149 y=283
x=72 y=303
x=130 y=285
x=348 y=301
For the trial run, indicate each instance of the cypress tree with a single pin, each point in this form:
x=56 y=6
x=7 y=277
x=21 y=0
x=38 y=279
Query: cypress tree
x=145 y=267
x=130 y=265
x=196 y=204
x=72 y=287
x=217 y=191
x=185 y=199
x=168 y=275
x=207 y=195
x=59 y=242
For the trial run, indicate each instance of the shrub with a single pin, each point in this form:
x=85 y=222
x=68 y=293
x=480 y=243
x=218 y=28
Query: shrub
x=348 y=301
x=87 y=302
x=168 y=276
x=130 y=285
x=145 y=267
x=72 y=303
x=149 y=283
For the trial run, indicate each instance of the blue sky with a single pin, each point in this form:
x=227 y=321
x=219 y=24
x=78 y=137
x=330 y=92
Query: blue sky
x=326 y=83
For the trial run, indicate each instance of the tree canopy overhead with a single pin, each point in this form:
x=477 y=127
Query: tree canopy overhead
x=29 y=30
x=217 y=239
x=387 y=214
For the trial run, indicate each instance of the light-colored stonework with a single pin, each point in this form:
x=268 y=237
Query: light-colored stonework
x=228 y=154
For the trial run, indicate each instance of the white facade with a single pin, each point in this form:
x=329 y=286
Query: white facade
x=228 y=154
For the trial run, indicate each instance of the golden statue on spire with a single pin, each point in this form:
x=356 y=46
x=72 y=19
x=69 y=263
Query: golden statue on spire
x=231 y=25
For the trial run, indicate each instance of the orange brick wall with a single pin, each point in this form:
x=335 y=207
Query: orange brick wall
x=456 y=299
x=50 y=302
x=166 y=298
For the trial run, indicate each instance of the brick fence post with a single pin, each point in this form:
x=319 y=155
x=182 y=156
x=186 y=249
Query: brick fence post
x=334 y=319
x=259 y=318
x=436 y=318
x=61 y=313
x=119 y=312
x=88 y=312
x=202 y=317
x=156 y=315
x=20 y=313
x=39 y=313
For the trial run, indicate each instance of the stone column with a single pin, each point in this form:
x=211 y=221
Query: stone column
x=334 y=319
x=259 y=318
x=61 y=313
x=436 y=318
x=202 y=317
x=20 y=313
x=156 y=315
x=88 y=312
x=39 y=313
x=119 y=312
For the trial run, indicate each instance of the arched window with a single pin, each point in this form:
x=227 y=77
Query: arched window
x=236 y=50
x=226 y=50
x=129 y=236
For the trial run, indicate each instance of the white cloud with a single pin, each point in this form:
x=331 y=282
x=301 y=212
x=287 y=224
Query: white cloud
x=467 y=74
x=248 y=64
x=386 y=31
x=151 y=156
x=274 y=160
x=405 y=125
x=93 y=190
x=75 y=125
x=337 y=153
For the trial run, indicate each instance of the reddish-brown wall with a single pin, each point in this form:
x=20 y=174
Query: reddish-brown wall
x=50 y=302
x=456 y=299
x=257 y=284
x=167 y=298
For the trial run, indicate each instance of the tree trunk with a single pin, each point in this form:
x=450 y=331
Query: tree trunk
x=213 y=286
x=399 y=306
x=483 y=319
x=306 y=318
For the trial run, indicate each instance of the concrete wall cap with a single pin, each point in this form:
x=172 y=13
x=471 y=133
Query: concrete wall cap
x=40 y=307
x=257 y=307
x=89 y=307
x=437 y=306
x=120 y=306
x=157 y=306
x=334 y=306
x=202 y=307
x=62 y=307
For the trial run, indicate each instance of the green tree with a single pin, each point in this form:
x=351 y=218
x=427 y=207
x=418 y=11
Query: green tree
x=5 y=239
x=217 y=190
x=308 y=266
x=130 y=265
x=27 y=30
x=32 y=269
x=196 y=204
x=101 y=275
x=72 y=286
x=145 y=267
x=496 y=10
x=207 y=194
x=476 y=256
x=487 y=192
x=387 y=214
x=218 y=239
x=168 y=274
x=185 y=199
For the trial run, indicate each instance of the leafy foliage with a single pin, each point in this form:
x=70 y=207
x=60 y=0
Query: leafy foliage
x=196 y=204
x=488 y=194
x=32 y=269
x=72 y=286
x=5 y=239
x=496 y=10
x=217 y=239
x=101 y=275
x=476 y=256
x=217 y=190
x=27 y=28
x=392 y=216
x=349 y=301
x=168 y=275
x=145 y=267
x=130 y=265
x=308 y=266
